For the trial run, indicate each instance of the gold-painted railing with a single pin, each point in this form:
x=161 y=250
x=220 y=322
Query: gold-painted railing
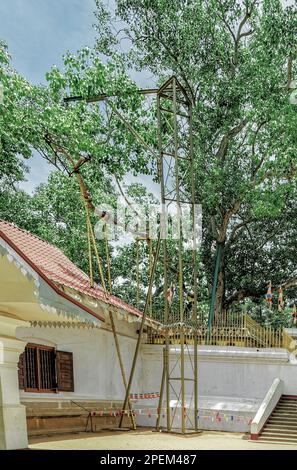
x=239 y=330
x=288 y=342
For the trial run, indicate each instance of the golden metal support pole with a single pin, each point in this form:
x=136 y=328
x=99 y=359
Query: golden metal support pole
x=115 y=336
x=150 y=269
x=160 y=404
x=194 y=263
x=137 y=273
x=180 y=256
x=131 y=129
x=126 y=401
x=93 y=240
x=163 y=229
x=107 y=258
x=132 y=418
x=90 y=255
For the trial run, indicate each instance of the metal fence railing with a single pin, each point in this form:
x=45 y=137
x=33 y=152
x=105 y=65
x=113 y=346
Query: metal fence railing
x=229 y=330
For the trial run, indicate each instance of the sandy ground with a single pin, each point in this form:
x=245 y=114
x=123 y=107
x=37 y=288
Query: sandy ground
x=145 y=439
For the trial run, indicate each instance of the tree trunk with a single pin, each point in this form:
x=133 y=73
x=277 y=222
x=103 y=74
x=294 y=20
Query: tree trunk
x=221 y=235
x=220 y=293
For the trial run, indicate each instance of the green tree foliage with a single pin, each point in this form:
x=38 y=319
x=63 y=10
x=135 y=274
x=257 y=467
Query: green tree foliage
x=236 y=60
x=36 y=119
x=13 y=140
x=89 y=131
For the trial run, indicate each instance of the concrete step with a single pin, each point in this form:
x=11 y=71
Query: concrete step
x=286 y=411
x=287 y=402
x=281 y=425
x=289 y=397
x=277 y=439
x=277 y=419
x=57 y=414
x=272 y=433
x=284 y=414
x=46 y=432
x=282 y=420
x=291 y=402
x=287 y=405
x=277 y=430
x=276 y=424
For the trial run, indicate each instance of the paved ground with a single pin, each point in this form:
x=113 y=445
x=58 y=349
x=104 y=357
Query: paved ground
x=145 y=439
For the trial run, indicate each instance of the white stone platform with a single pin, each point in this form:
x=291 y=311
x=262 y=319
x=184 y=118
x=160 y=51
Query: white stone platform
x=215 y=413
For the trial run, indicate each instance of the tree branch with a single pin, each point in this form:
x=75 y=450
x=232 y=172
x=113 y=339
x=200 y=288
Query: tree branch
x=223 y=147
x=242 y=224
x=289 y=72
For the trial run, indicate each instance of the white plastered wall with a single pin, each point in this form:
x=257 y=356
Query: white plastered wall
x=96 y=368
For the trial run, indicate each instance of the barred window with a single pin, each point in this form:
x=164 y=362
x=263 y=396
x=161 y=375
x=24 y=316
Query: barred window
x=43 y=369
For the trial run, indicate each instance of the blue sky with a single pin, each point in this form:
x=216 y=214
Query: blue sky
x=38 y=33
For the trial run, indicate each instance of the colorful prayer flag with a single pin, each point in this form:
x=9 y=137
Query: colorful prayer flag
x=170 y=293
x=269 y=295
x=280 y=300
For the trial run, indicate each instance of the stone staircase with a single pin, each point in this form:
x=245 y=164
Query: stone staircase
x=282 y=423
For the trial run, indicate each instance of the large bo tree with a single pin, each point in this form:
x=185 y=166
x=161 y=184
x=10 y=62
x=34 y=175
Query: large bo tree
x=237 y=61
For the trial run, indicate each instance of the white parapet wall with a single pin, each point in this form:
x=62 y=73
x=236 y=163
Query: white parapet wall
x=215 y=413
x=266 y=408
x=232 y=383
x=225 y=371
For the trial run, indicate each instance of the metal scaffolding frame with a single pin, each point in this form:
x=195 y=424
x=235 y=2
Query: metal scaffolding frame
x=176 y=173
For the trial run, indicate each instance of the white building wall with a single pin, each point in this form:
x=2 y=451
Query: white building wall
x=96 y=367
x=234 y=372
x=231 y=380
x=13 y=430
x=231 y=372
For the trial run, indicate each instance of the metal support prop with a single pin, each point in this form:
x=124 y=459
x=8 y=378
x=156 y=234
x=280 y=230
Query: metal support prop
x=160 y=404
x=164 y=229
x=168 y=92
x=180 y=258
x=144 y=315
x=195 y=274
x=150 y=242
x=92 y=242
x=174 y=112
x=137 y=273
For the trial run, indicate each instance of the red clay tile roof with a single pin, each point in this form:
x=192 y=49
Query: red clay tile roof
x=55 y=266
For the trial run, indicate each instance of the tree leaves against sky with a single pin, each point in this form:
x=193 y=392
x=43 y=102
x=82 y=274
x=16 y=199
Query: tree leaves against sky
x=236 y=59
